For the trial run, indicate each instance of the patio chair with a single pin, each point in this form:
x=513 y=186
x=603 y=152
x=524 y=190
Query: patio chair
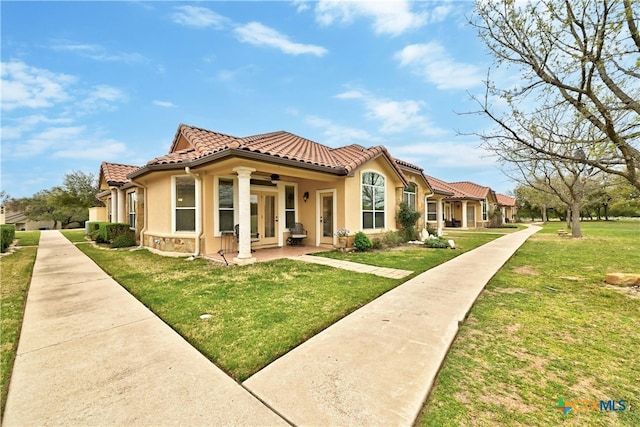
x=296 y=234
x=255 y=237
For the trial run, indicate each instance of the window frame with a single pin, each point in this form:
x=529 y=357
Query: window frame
x=407 y=195
x=373 y=211
x=218 y=208
x=132 y=200
x=175 y=208
x=294 y=186
x=435 y=211
x=485 y=210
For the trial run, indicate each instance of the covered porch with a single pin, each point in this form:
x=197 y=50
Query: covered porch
x=268 y=254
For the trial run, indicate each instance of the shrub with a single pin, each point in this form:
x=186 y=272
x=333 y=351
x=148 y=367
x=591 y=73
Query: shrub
x=408 y=218
x=376 y=243
x=7 y=235
x=438 y=243
x=94 y=230
x=393 y=238
x=431 y=230
x=124 y=240
x=108 y=231
x=362 y=242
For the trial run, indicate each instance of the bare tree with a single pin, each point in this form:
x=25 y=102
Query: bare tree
x=582 y=56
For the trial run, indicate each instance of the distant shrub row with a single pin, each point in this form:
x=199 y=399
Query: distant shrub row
x=8 y=234
x=118 y=235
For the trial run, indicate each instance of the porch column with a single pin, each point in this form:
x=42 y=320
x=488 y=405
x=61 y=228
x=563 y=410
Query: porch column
x=464 y=214
x=122 y=204
x=244 y=215
x=114 y=205
x=439 y=216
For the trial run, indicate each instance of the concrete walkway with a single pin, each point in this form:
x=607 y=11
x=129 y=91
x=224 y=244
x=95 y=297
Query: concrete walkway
x=91 y=354
x=390 y=273
x=377 y=365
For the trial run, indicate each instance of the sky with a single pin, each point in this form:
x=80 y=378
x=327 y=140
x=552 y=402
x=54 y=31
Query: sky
x=86 y=82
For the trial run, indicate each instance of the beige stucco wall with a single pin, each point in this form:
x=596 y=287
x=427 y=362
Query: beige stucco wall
x=98 y=214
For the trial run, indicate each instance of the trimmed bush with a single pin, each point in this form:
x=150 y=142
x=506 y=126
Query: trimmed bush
x=7 y=235
x=438 y=243
x=124 y=240
x=408 y=218
x=362 y=242
x=107 y=232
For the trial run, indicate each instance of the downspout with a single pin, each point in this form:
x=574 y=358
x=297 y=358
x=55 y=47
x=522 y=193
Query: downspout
x=144 y=211
x=199 y=233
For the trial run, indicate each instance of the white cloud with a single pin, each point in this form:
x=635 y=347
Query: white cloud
x=447 y=154
x=199 y=17
x=92 y=149
x=47 y=140
x=164 y=104
x=394 y=116
x=101 y=97
x=389 y=17
x=336 y=135
x=260 y=35
x=27 y=123
x=24 y=86
x=432 y=62
x=96 y=52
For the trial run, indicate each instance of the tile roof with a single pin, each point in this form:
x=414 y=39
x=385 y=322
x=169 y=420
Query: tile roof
x=115 y=173
x=505 y=200
x=280 y=144
x=442 y=187
x=472 y=189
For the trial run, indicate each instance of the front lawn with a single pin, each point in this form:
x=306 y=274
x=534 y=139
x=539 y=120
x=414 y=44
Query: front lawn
x=417 y=258
x=14 y=284
x=546 y=328
x=258 y=312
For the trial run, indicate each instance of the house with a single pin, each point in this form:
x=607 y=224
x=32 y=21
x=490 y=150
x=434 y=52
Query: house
x=215 y=192
x=460 y=204
x=509 y=207
x=22 y=223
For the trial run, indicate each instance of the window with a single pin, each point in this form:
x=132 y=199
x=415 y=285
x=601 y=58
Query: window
x=225 y=205
x=132 y=198
x=109 y=211
x=372 y=200
x=290 y=206
x=185 y=203
x=432 y=214
x=409 y=196
x=484 y=210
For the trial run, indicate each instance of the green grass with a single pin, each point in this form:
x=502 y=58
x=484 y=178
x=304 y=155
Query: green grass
x=547 y=327
x=75 y=236
x=416 y=258
x=14 y=284
x=28 y=238
x=259 y=312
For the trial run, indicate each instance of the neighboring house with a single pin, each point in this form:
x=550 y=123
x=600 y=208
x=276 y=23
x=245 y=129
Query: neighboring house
x=22 y=223
x=121 y=197
x=460 y=204
x=508 y=206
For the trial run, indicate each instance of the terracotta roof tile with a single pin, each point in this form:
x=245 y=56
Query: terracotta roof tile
x=443 y=187
x=280 y=144
x=472 y=189
x=115 y=173
x=505 y=200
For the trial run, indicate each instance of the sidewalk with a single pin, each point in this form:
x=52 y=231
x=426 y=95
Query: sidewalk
x=377 y=365
x=390 y=273
x=91 y=354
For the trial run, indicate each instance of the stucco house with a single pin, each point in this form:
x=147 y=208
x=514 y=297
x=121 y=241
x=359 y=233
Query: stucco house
x=464 y=204
x=509 y=207
x=215 y=192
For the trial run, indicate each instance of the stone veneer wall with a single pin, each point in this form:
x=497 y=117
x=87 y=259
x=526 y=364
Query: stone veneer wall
x=170 y=244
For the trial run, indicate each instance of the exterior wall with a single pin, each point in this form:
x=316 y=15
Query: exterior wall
x=98 y=214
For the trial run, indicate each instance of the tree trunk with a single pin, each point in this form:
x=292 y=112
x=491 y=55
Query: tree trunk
x=569 y=215
x=544 y=213
x=575 y=220
x=606 y=212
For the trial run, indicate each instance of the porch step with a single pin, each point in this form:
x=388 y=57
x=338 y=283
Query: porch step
x=391 y=273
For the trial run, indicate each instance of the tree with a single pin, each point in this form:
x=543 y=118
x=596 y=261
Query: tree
x=580 y=56
x=65 y=204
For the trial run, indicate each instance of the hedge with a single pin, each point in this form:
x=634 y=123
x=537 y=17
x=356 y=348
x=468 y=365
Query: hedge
x=7 y=235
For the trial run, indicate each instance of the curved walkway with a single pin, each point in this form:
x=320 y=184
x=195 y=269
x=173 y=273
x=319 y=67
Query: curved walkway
x=91 y=354
x=377 y=365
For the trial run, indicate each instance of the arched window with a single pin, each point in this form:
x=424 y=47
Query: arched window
x=409 y=196
x=372 y=200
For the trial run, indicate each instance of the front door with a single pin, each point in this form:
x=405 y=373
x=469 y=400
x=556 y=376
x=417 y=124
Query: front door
x=264 y=218
x=326 y=219
x=471 y=216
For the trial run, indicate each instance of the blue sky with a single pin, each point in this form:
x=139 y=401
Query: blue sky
x=84 y=82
